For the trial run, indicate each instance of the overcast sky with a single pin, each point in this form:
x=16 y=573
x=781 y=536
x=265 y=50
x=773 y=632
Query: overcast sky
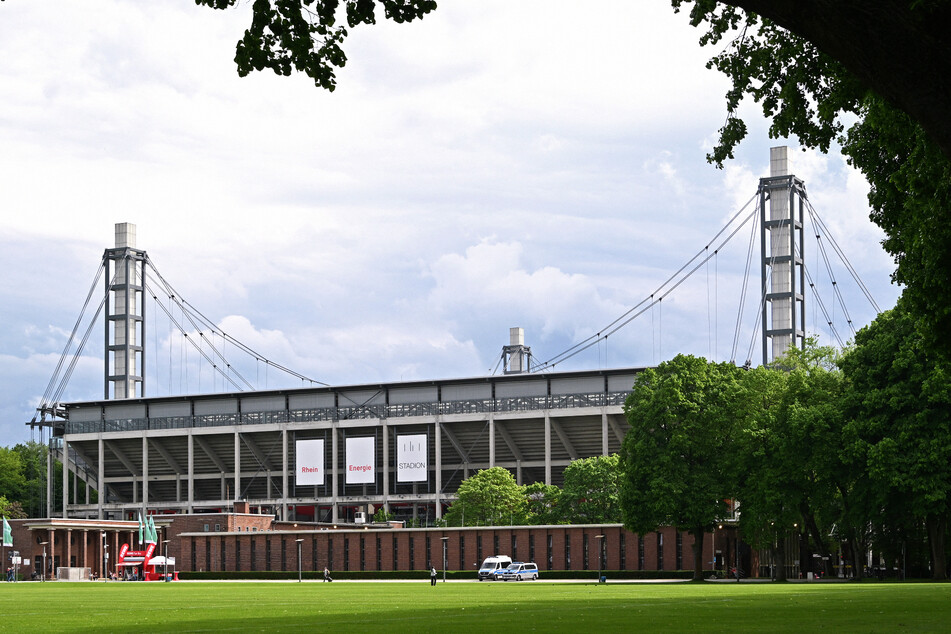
x=534 y=164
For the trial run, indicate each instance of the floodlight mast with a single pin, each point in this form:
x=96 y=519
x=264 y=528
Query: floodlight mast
x=782 y=199
x=125 y=316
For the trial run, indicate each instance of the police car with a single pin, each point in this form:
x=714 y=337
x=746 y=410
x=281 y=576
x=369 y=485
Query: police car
x=519 y=571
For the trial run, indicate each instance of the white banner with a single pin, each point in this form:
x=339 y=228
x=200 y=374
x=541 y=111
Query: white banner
x=412 y=459
x=310 y=462
x=361 y=460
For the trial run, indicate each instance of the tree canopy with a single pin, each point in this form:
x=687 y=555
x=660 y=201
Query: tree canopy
x=590 y=491
x=677 y=456
x=490 y=497
x=900 y=408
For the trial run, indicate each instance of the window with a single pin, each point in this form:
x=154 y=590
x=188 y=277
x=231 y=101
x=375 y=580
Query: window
x=623 y=552
x=194 y=553
x=330 y=553
x=267 y=553
x=346 y=553
x=660 y=551
x=206 y=528
x=217 y=528
x=680 y=551
x=640 y=552
x=531 y=547
x=379 y=553
x=495 y=543
x=283 y=554
x=313 y=553
x=237 y=555
x=412 y=553
x=479 y=548
x=429 y=551
x=254 y=558
x=363 y=553
x=584 y=552
x=396 y=549
x=567 y=551
x=462 y=552
x=514 y=547
x=549 y=552
x=207 y=553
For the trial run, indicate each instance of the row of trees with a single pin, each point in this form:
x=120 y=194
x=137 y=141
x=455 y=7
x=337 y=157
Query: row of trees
x=23 y=480
x=492 y=497
x=851 y=449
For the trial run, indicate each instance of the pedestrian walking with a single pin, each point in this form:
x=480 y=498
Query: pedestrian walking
x=432 y=576
x=327 y=576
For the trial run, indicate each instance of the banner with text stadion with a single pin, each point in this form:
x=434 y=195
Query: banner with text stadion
x=310 y=462
x=361 y=460
x=411 y=458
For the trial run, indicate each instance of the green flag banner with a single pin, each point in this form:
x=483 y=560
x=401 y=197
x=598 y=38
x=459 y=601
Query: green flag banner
x=7 y=533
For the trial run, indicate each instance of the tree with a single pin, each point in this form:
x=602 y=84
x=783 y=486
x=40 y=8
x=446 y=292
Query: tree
x=12 y=480
x=591 y=490
x=543 y=504
x=488 y=498
x=11 y=510
x=677 y=458
x=33 y=460
x=899 y=402
x=791 y=428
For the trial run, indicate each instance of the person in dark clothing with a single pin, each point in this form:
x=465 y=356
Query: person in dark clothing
x=432 y=576
x=327 y=576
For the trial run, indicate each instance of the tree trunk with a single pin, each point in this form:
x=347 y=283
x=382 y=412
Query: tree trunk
x=698 y=536
x=822 y=547
x=936 y=526
x=779 y=559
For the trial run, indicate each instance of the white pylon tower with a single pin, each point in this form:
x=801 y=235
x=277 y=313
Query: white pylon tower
x=125 y=316
x=782 y=198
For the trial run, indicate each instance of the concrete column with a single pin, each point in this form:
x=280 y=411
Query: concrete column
x=334 y=466
x=604 y=432
x=101 y=478
x=284 y=480
x=237 y=468
x=69 y=548
x=65 y=460
x=190 y=489
x=491 y=440
x=386 y=460
x=145 y=472
x=547 y=449
x=437 y=439
x=49 y=481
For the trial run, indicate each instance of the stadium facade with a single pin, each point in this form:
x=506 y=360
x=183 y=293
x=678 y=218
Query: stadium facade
x=323 y=454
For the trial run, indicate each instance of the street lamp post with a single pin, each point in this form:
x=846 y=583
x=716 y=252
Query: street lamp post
x=43 y=544
x=165 y=542
x=600 y=539
x=445 y=540
x=299 y=564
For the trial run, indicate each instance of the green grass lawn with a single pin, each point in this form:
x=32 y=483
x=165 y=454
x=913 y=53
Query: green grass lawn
x=474 y=607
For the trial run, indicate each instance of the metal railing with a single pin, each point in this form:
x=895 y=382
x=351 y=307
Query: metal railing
x=480 y=406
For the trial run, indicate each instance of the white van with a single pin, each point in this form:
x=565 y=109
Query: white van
x=519 y=571
x=492 y=565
